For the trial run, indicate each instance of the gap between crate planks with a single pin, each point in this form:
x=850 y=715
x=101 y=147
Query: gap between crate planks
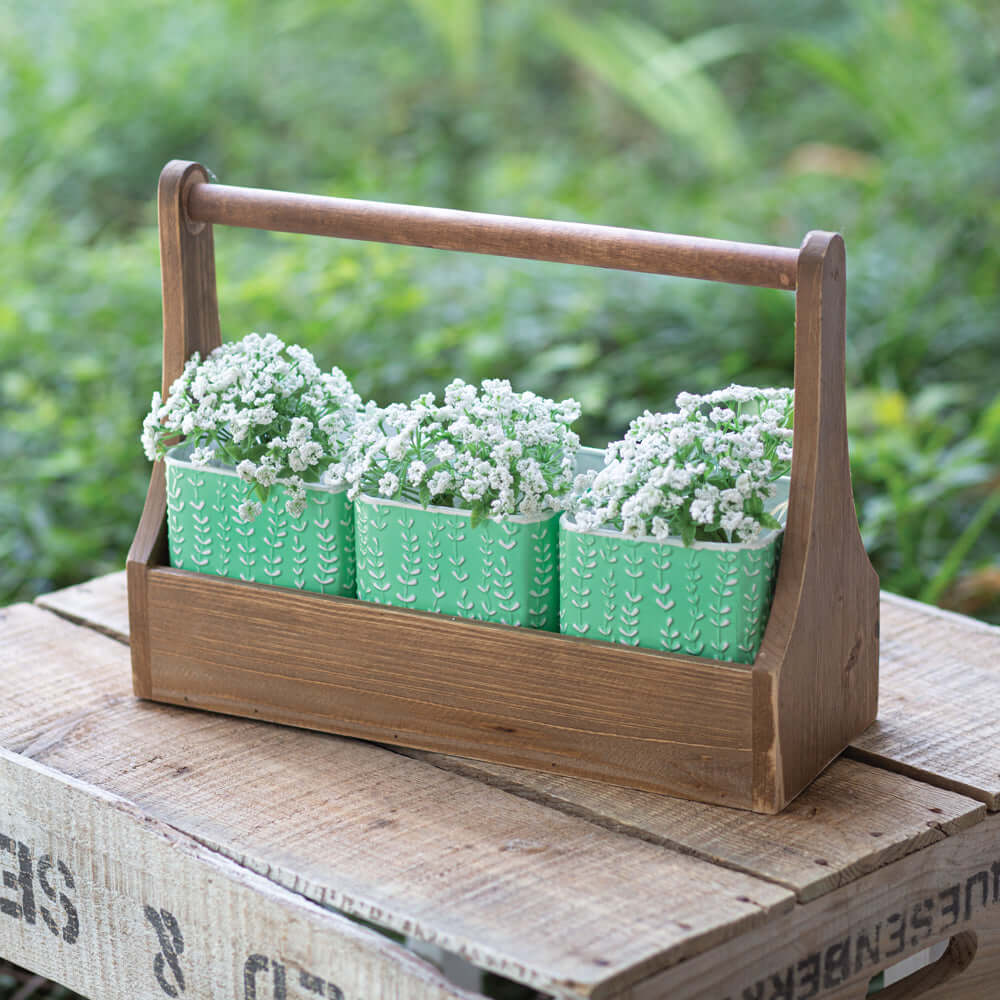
x=153 y=849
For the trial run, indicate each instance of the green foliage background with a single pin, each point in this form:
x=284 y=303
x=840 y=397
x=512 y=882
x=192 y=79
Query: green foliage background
x=740 y=120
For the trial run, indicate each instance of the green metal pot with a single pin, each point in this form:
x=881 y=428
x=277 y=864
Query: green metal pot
x=709 y=599
x=206 y=534
x=432 y=559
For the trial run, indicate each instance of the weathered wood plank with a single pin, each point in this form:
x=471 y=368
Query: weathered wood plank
x=116 y=905
x=938 y=718
x=906 y=606
x=101 y=603
x=31 y=642
x=851 y=821
x=829 y=949
x=538 y=896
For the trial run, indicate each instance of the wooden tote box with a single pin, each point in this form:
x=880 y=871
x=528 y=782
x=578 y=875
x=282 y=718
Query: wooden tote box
x=746 y=735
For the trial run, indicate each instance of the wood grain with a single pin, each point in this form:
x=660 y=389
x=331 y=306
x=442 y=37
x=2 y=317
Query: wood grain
x=31 y=642
x=500 y=235
x=187 y=268
x=851 y=821
x=931 y=727
x=306 y=780
x=117 y=905
x=538 y=896
x=979 y=979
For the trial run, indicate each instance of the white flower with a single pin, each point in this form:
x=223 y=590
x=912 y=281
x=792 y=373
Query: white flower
x=151 y=427
x=395 y=447
x=266 y=473
x=490 y=449
x=702 y=511
x=388 y=485
x=295 y=491
x=695 y=472
x=249 y=510
x=265 y=406
x=334 y=474
x=444 y=451
x=440 y=482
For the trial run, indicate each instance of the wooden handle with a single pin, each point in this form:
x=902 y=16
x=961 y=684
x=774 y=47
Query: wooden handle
x=499 y=235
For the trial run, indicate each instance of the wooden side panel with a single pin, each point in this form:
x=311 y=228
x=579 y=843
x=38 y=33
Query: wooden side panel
x=525 y=697
x=816 y=676
x=105 y=899
x=190 y=323
x=149 y=548
x=937 y=672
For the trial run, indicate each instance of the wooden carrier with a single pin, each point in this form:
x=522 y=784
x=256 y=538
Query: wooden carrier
x=751 y=736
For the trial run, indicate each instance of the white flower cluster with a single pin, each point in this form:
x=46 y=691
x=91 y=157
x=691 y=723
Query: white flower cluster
x=701 y=473
x=489 y=450
x=259 y=406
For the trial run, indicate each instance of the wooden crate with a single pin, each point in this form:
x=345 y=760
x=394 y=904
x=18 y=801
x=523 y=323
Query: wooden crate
x=748 y=736
x=260 y=843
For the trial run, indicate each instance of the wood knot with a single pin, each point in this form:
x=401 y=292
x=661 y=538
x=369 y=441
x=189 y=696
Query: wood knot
x=852 y=657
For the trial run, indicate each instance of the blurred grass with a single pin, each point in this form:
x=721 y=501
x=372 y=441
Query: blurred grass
x=737 y=120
